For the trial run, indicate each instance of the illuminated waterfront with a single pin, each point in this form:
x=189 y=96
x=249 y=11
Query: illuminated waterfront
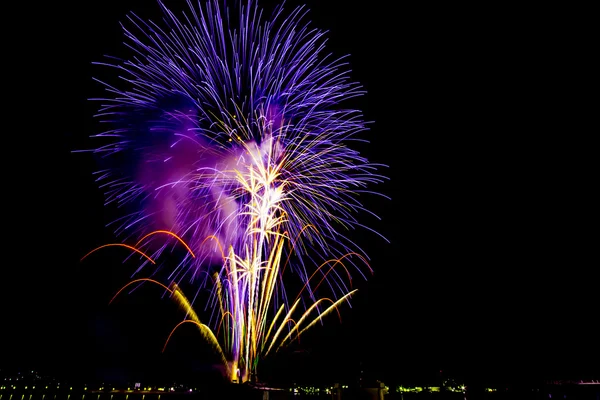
x=570 y=390
x=29 y=385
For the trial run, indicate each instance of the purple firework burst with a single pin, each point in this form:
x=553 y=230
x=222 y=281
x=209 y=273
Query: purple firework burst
x=205 y=98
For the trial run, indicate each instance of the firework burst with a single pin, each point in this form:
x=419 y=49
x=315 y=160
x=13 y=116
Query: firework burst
x=227 y=132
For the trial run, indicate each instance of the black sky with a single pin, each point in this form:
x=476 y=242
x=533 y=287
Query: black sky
x=490 y=269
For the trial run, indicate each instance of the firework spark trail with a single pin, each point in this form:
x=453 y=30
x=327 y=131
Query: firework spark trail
x=229 y=126
x=247 y=339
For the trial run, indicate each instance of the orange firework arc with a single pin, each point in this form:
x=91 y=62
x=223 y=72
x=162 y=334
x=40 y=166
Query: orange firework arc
x=218 y=244
x=172 y=234
x=120 y=245
x=139 y=280
x=207 y=333
x=295 y=324
x=293 y=245
x=175 y=328
x=335 y=262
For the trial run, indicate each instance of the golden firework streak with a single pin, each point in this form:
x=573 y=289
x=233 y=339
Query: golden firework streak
x=246 y=283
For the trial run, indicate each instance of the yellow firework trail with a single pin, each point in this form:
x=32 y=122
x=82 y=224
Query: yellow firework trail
x=251 y=273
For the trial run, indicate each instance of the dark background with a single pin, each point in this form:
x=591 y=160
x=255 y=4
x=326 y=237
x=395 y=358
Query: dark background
x=490 y=270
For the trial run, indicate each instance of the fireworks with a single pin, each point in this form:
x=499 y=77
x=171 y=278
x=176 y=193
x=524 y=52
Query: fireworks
x=227 y=132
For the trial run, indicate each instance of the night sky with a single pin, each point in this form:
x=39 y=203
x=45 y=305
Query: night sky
x=490 y=269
